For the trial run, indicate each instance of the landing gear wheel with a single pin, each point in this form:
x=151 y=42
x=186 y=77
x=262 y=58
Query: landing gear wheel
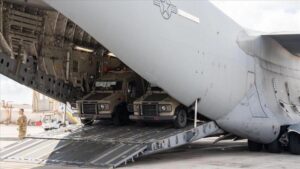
x=181 y=118
x=294 y=143
x=274 y=147
x=254 y=147
x=87 y=122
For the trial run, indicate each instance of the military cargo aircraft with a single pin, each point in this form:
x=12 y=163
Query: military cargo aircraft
x=247 y=82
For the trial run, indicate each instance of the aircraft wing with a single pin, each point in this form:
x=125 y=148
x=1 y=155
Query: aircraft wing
x=290 y=41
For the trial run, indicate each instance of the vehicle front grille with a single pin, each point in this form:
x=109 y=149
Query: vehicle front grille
x=89 y=108
x=150 y=109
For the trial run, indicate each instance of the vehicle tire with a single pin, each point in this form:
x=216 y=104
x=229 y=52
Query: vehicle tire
x=294 y=143
x=181 y=118
x=87 y=122
x=274 y=147
x=141 y=123
x=120 y=115
x=116 y=119
x=254 y=146
x=125 y=115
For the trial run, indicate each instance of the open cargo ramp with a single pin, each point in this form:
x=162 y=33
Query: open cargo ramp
x=103 y=146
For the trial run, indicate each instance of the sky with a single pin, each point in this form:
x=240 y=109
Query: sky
x=263 y=15
x=259 y=15
x=14 y=92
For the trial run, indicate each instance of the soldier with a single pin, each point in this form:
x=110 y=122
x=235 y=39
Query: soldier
x=22 y=122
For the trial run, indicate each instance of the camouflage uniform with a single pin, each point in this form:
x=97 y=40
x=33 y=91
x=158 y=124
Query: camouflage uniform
x=22 y=122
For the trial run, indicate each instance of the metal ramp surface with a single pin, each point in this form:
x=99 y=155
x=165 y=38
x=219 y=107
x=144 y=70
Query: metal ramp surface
x=104 y=146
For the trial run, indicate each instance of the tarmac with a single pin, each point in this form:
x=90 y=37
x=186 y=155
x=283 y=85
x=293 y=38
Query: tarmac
x=9 y=134
x=201 y=154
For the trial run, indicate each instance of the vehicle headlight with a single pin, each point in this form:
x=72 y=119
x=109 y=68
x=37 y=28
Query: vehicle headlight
x=136 y=107
x=165 y=108
x=103 y=107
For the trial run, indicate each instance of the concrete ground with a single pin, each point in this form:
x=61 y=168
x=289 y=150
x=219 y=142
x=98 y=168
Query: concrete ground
x=9 y=133
x=200 y=154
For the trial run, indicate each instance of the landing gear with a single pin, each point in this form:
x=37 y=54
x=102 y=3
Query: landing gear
x=181 y=118
x=274 y=147
x=254 y=147
x=286 y=142
x=87 y=122
x=294 y=143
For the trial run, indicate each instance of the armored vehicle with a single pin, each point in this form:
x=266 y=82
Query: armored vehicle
x=157 y=105
x=111 y=98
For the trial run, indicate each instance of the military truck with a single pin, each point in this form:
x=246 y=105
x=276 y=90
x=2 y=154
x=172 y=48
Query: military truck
x=157 y=105
x=112 y=98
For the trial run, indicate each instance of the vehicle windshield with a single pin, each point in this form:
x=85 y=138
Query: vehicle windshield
x=48 y=119
x=108 y=85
